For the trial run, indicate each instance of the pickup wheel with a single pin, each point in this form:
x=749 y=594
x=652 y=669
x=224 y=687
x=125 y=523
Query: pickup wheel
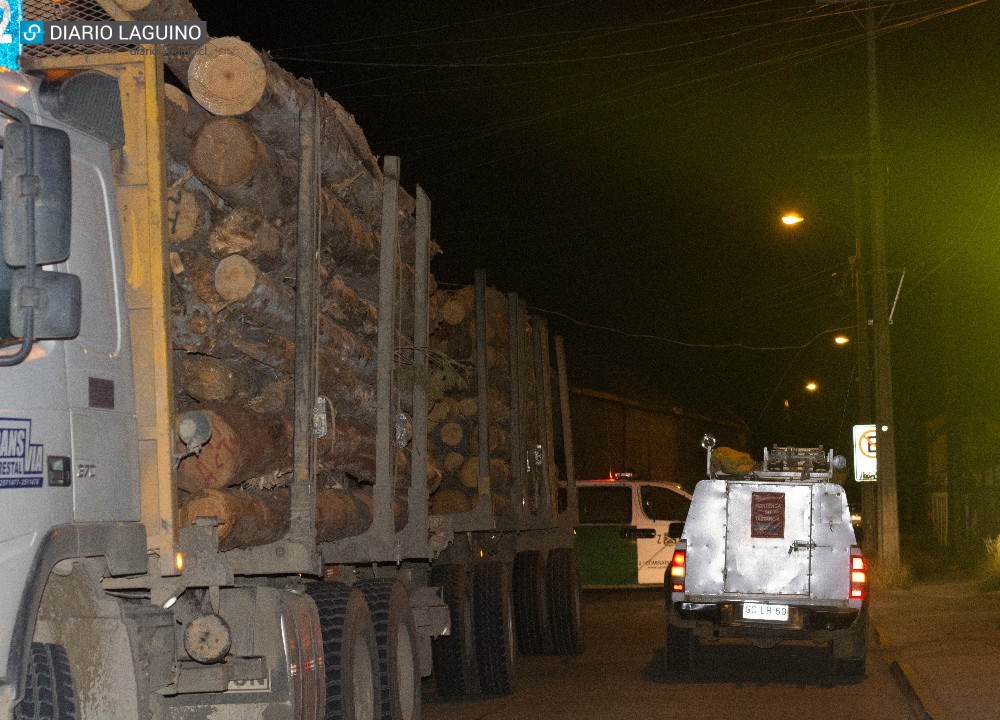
x=454 y=655
x=48 y=694
x=396 y=638
x=353 y=691
x=562 y=582
x=681 y=645
x=494 y=615
x=531 y=604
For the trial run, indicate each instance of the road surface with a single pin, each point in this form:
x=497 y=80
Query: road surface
x=619 y=676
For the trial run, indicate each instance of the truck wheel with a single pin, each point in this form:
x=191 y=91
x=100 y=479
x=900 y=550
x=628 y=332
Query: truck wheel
x=494 y=615
x=454 y=655
x=396 y=637
x=531 y=604
x=681 y=644
x=563 y=588
x=351 y=654
x=48 y=694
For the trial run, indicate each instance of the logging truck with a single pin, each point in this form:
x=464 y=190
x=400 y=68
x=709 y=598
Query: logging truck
x=253 y=462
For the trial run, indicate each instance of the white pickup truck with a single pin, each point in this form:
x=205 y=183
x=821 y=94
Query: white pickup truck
x=766 y=557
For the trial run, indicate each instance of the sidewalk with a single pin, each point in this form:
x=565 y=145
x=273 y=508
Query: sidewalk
x=945 y=635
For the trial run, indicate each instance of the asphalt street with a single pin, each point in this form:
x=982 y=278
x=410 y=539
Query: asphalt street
x=620 y=676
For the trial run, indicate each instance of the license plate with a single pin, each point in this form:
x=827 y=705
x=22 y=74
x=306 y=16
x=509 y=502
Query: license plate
x=764 y=611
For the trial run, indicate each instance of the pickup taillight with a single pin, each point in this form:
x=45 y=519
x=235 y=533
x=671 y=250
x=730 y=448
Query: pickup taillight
x=859 y=577
x=678 y=570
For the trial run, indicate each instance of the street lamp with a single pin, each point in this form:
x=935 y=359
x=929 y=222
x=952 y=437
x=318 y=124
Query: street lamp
x=792 y=218
x=811 y=386
x=842 y=340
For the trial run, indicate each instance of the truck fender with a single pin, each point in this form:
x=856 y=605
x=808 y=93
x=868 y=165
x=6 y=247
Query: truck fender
x=123 y=545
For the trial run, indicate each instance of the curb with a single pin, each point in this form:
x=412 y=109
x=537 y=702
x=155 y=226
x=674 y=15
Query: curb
x=916 y=693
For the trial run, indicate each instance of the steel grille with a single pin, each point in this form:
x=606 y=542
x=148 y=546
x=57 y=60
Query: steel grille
x=67 y=11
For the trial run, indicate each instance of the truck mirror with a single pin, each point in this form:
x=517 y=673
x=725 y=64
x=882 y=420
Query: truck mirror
x=52 y=202
x=56 y=298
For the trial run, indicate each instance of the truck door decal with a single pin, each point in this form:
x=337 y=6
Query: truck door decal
x=21 y=462
x=767 y=515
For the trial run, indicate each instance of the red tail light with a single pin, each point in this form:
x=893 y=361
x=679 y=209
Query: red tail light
x=678 y=569
x=859 y=578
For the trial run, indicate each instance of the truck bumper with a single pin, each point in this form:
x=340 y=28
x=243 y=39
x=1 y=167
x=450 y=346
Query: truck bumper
x=724 y=620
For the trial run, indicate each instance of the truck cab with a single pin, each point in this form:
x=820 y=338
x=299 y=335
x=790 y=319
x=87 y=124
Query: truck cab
x=766 y=557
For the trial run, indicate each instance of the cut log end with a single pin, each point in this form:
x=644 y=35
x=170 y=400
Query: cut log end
x=227 y=77
x=235 y=277
x=224 y=152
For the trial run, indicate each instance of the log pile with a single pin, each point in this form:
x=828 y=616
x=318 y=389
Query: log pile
x=453 y=418
x=233 y=175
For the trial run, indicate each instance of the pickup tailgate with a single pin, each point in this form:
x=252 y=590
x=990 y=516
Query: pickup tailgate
x=769 y=543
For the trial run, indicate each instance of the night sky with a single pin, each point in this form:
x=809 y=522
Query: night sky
x=622 y=166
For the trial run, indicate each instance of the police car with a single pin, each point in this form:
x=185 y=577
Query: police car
x=628 y=529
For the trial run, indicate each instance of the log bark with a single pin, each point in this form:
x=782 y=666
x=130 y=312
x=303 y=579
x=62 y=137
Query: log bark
x=227 y=76
x=186 y=215
x=211 y=380
x=273 y=305
x=246 y=233
x=182 y=118
x=346 y=307
x=352 y=398
x=243 y=446
x=193 y=327
x=351 y=244
x=248 y=519
x=201 y=271
x=251 y=519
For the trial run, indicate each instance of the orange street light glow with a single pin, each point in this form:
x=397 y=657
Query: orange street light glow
x=842 y=340
x=811 y=386
x=791 y=218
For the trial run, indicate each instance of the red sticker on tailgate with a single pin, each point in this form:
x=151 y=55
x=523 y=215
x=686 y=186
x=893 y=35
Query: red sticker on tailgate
x=767 y=515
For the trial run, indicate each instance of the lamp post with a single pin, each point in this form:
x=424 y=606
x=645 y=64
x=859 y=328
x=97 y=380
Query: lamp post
x=869 y=504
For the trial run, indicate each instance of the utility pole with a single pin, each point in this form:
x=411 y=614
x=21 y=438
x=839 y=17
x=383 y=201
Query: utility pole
x=868 y=501
x=888 y=513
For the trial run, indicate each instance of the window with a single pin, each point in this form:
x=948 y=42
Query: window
x=605 y=505
x=660 y=503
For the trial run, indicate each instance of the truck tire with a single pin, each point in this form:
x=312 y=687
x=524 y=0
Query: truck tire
x=562 y=582
x=681 y=645
x=454 y=655
x=48 y=694
x=396 y=637
x=351 y=654
x=494 y=616
x=531 y=604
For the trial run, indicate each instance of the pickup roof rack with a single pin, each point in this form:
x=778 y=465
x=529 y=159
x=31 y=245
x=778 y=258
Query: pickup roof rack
x=791 y=463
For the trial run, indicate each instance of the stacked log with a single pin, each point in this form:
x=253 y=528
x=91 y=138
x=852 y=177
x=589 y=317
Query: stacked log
x=233 y=175
x=453 y=419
